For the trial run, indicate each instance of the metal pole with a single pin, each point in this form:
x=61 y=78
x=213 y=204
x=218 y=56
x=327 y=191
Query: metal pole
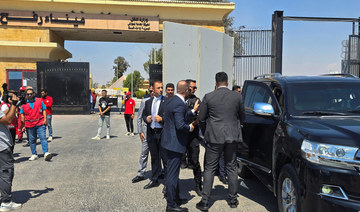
x=277 y=41
x=132 y=78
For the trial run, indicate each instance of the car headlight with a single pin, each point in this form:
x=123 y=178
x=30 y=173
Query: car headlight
x=331 y=155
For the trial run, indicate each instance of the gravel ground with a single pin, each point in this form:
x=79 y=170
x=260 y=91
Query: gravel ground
x=88 y=175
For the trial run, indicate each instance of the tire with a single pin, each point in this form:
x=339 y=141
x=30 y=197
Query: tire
x=243 y=171
x=288 y=190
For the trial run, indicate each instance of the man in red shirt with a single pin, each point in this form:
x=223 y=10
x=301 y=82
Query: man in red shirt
x=48 y=102
x=129 y=113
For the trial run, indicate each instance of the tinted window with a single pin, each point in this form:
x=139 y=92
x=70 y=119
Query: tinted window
x=323 y=96
x=257 y=93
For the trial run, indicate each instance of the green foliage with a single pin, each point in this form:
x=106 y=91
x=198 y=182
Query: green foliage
x=155 y=57
x=140 y=94
x=228 y=25
x=138 y=81
x=120 y=67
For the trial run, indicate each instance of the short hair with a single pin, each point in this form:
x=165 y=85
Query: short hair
x=190 y=81
x=235 y=87
x=170 y=85
x=30 y=89
x=156 y=81
x=221 y=77
x=104 y=90
x=44 y=90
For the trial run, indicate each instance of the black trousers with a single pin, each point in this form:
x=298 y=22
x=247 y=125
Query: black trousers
x=212 y=155
x=157 y=153
x=13 y=136
x=6 y=174
x=172 y=177
x=193 y=151
x=129 y=123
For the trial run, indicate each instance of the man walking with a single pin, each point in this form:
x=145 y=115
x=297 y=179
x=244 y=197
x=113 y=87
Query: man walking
x=129 y=114
x=104 y=115
x=174 y=139
x=48 y=101
x=33 y=118
x=220 y=113
x=141 y=126
x=7 y=158
x=153 y=115
x=19 y=131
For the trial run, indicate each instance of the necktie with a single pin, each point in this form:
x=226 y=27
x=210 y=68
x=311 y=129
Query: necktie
x=153 y=113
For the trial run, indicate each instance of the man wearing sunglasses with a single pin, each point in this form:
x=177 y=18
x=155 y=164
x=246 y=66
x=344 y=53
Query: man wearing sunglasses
x=33 y=119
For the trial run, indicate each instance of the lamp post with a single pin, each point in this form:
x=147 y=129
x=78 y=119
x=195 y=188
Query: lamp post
x=132 y=77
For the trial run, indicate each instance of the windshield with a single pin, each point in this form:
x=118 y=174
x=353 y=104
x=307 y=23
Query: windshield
x=324 y=98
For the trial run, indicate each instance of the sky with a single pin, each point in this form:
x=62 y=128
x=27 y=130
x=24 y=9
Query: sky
x=309 y=48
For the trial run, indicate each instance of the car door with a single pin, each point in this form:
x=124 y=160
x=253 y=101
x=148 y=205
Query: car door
x=258 y=131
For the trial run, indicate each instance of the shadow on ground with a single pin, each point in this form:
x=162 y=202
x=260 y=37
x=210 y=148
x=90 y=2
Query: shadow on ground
x=25 y=195
x=22 y=159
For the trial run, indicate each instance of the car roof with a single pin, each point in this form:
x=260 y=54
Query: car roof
x=309 y=79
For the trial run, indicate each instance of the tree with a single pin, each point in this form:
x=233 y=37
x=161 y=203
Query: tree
x=120 y=67
x=95 y=85
x=155 y=57
x=138 y=81
x=228 y=25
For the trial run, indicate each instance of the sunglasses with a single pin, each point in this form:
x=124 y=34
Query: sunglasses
x=193 y=87
x=29 y=94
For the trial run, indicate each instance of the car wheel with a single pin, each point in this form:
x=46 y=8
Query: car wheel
x=288 y=190
x=243 y=171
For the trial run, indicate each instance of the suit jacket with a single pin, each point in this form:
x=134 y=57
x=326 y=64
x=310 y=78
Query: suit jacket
x=221 y=113
x=141 y=125
x=147 y=111
x=176 y=128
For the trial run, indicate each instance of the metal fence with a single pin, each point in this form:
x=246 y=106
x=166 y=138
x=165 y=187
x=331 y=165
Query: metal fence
x=252 y=54
x=351 y=61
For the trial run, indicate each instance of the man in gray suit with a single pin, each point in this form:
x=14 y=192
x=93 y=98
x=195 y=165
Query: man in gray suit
x=141 y=126
x=220 y=113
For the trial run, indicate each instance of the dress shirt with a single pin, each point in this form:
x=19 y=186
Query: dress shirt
x=154 y=112
x=183 y=99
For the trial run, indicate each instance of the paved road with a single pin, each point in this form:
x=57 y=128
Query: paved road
x=88 y=175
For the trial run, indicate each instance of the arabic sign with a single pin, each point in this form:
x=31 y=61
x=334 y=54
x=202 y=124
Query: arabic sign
x=78 y=20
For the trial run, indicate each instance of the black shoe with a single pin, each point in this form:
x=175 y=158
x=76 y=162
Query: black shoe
x=26 y=145
x=181 y=201
x=151 y=184
x=177 y=209
x=161 y=176
x=234 y=203
x=223 y=179
x=183 y=165
x=202 y=206
x=189 y=166
x=138 y=179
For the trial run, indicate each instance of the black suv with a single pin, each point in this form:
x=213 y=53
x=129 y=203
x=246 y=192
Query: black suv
x=303 y=138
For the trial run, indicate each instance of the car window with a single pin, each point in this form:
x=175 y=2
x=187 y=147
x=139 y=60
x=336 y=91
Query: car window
x=257 y=93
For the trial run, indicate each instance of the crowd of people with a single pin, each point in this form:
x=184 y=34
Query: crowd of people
x=173 y=126
x=30 y=115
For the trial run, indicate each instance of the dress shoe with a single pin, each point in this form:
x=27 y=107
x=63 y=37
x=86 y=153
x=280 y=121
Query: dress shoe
x=138 y=179
x=234 y=203
x=176 y=209
x=223 y=179
x=202 y=206
x=151 y=184
x=161 y=176
x=181 y=201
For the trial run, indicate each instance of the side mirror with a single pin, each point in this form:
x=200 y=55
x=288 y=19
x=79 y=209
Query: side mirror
x=263 y=109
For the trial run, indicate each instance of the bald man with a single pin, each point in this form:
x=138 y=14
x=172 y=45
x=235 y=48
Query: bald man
x=173 y=140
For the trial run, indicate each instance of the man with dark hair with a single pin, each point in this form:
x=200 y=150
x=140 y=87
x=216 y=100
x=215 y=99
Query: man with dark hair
x=219 y=123
x=33 y=118
x=153 y=115
x=236 y=88
x=192 y=147
x=141 y=126
x=48 y=101
x=129 y=114
x=6 y=157
x=169 y=89
x=104 y=114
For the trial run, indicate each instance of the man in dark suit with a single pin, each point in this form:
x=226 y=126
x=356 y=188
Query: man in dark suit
x=174 y=139
x=153 y=115
x=220 y=113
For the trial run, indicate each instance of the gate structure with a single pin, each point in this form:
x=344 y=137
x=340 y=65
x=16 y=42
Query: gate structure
x=351 y=62
x=252 y=54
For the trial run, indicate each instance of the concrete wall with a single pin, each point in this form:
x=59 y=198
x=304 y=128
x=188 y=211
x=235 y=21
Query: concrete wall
x=198 y=53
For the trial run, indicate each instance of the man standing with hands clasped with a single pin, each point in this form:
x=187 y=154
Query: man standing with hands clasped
x=104 y=114
x=220 y=113
x=174 y=140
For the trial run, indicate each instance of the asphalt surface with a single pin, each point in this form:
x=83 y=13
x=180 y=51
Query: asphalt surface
x=89 y=175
